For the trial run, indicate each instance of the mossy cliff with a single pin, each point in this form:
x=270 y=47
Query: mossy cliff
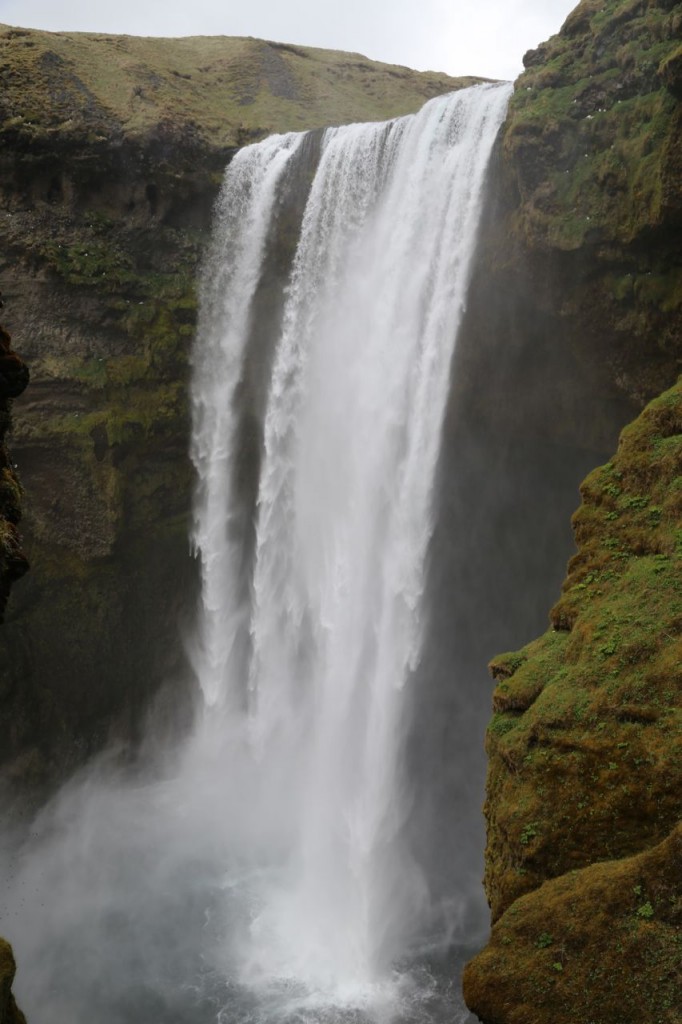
x=577 y=300
x=582 y=251
x=112 y=150
x=594 y=141
x=585 y=764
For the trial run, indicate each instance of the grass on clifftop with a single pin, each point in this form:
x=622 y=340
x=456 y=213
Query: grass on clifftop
x=228 y=89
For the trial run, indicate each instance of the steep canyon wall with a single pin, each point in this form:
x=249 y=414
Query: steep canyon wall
x=583 y=787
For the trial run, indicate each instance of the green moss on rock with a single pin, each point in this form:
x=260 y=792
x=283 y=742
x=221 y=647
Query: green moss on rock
x=585 y=758
x=594 y=110
x=599 y=944
x=592 y=170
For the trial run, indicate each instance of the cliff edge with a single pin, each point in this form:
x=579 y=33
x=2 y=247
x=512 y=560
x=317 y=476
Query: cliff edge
x=593 y=144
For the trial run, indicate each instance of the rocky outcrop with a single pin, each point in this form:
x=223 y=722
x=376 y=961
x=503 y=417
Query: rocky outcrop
x=576 y=302
x=593 y=145
x=585 y=744
x=600 y=944
x=585 y=764
x=9 y=1012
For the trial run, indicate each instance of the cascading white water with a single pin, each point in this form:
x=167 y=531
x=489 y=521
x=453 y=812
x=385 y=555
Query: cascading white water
x=229 y=283
x=316 y=722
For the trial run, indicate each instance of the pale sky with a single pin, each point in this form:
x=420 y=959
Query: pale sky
x=476 y=37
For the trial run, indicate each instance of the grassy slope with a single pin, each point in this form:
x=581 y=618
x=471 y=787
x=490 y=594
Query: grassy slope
x=227 y=88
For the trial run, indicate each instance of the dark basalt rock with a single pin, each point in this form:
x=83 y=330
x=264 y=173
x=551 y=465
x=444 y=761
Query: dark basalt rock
x=13 y=565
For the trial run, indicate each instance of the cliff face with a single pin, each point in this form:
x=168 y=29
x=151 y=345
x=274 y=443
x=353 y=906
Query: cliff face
x=576 y=304
x=593 y=145
x=583 y=252
x=112 y=152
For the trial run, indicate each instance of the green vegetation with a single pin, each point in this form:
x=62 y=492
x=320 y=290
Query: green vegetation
x=608 y=958
x=585 y=769
x=586 y=741
x=590 y=162
x=597 y=118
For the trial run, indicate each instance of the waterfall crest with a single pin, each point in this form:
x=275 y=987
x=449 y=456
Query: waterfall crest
x=316 y=711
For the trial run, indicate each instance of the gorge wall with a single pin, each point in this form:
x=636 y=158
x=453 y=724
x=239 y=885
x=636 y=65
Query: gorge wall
x=583 y=252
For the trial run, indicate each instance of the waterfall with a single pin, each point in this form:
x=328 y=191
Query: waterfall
x=276 y=867
x=307 y=668
x=230 y=279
